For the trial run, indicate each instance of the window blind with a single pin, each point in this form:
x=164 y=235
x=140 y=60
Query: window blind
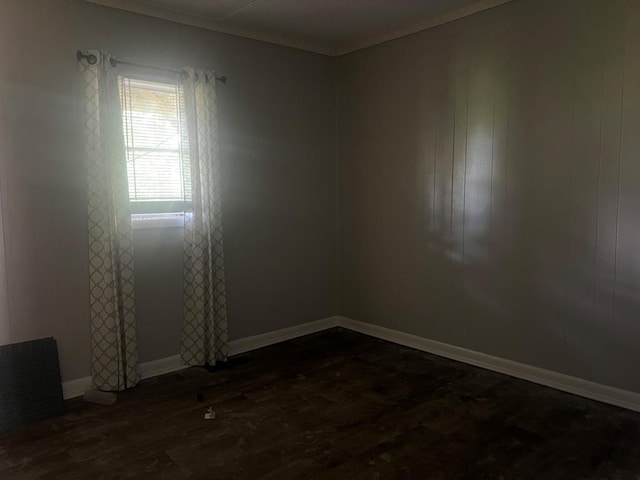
x=156 y=145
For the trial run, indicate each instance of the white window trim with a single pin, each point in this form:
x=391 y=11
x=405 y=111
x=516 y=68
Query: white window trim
x=141 y=221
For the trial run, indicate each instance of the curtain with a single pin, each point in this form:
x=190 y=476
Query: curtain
x=204 y=330
x=114 y=353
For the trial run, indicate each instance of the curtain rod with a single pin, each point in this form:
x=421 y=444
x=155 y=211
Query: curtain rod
x=92 y=59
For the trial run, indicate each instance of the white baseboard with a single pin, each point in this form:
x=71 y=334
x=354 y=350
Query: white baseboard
x=559 y=381
x=77 y=387
x=160 y=367
x=258 y=341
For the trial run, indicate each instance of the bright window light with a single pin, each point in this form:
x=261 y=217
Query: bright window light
x=157 y=146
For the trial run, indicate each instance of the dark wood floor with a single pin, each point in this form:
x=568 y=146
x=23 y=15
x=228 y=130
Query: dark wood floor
x=332 y=405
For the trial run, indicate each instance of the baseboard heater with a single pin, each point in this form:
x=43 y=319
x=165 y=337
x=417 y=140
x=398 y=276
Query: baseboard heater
x=30 y=385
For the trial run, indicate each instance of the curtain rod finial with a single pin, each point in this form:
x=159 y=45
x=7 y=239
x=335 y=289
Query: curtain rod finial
x=91 y=58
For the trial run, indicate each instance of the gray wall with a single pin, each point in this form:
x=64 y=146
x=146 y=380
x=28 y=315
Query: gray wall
x=487 y=182
x=489 y=185
x=277 y=117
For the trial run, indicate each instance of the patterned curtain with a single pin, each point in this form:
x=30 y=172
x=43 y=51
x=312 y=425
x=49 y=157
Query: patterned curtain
x=204 y=330
x=114 y=351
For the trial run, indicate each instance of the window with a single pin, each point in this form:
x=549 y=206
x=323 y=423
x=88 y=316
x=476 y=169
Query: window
x=156 y=145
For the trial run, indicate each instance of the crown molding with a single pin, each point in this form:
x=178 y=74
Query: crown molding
x=144 y=8
x=419 y=27
x=148 y=10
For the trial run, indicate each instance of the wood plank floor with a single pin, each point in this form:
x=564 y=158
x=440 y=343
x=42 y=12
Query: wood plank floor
x=335 y=405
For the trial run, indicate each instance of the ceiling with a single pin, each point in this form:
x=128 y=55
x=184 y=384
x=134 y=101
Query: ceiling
x=330 y=27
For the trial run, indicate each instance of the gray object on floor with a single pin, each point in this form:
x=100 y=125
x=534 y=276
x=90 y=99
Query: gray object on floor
x=102 y=398
x=31 y=386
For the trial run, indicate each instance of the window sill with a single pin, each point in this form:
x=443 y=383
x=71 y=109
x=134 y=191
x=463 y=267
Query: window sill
x=141 y=221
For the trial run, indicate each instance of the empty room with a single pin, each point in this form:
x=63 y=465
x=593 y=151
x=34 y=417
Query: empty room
x=319 y=239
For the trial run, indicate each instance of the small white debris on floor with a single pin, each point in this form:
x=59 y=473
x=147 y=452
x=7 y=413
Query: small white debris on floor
x=210 y=414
